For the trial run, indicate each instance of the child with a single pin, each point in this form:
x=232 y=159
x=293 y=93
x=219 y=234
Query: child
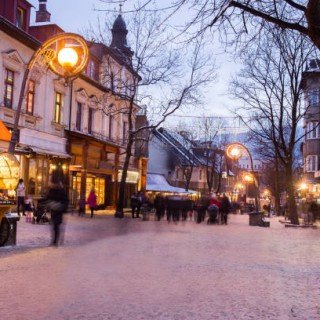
x=29 y=208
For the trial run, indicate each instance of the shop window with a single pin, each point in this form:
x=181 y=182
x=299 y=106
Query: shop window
x=30 y=97
x=21 y=18
x=90 y=120
x=8 y=90
x=58 y=107
x=79 y=116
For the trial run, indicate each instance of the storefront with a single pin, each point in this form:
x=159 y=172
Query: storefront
x=94 y=165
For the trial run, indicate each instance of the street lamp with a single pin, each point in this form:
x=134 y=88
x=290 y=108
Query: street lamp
x=234 y=151
x=66 y=54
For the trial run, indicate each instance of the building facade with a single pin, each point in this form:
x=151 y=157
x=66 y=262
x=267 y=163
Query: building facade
x=311 y=145
x=79 y=127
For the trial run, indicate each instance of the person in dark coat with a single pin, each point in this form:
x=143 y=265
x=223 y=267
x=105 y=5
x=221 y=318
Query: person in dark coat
x=159 y=205
x=225 y=209
x=134 y=204
x=57 y=204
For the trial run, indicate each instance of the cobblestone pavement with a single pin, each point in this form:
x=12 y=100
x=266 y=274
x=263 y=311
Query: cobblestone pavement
x=133 y=269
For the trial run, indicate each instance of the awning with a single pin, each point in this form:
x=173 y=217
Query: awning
x=5 y=134
x=21 y=148
x=158 y=183
x=49 y=153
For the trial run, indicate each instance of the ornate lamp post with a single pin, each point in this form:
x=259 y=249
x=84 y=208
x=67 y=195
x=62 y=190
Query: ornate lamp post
x=65 y=54
x=234 y=151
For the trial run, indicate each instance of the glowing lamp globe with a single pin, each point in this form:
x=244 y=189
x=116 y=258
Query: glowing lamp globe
x=235 y=152
x=67 y=58
x=248 y=177
x=303 y=186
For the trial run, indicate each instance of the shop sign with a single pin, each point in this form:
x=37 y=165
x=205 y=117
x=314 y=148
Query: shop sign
x=132 y=176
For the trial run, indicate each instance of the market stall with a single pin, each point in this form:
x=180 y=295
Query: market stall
x=9 y=175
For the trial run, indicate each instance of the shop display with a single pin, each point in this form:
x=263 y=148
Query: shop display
x=9 y=175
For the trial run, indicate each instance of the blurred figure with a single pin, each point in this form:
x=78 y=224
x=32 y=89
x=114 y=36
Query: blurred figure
x=81 y=207
x=225 y=209
x=57 y=204
x=21 y=192
x=134 y=204
x=215 y=202
x=141 y=199
x=29 y=208
x=159 y=206
x=92 y=201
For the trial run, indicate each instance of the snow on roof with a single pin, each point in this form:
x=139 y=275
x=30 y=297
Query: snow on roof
x=157 y=182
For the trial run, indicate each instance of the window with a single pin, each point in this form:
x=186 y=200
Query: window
x=92 y=70
x=311 y=164
x=313 y=97
x=8 y=90
x=90 y=120
x=177 y=174
x=30 y=97
x=200 y=174
x=20 y=20
x=58 y=107
x=124 y=132
x=79 y=116
x=313 y=130
x=110 y=126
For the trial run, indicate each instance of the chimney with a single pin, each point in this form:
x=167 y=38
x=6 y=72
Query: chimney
x=42 y=15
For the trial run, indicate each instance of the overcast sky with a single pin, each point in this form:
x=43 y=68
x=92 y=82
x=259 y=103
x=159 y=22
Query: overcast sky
x=76 y=15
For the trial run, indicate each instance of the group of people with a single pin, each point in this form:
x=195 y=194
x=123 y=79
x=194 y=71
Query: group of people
x=176 y=207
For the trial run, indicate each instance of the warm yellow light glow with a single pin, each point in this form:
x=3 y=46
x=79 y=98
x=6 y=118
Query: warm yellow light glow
x=239 y=186
x=234 y=151
x=67 y=57
x=303 y=186
x=53 y=167
x=248 y=177
x=64 y=167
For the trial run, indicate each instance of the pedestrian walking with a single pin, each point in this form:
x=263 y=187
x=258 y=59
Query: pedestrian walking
x=21 y=192
x=134 y=204
x=159 y=206
x=92 y=201
x=57 y=203
x=225 y=209
x=216 y=214
x=140 y=200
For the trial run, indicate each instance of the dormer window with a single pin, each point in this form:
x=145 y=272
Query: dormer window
x=21 y=18
x=92 y=70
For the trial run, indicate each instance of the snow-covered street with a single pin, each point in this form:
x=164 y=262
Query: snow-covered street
x=132 y=269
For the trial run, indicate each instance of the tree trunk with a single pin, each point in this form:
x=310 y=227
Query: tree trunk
x=277 y=188
x=293 y=213
x=120 y=204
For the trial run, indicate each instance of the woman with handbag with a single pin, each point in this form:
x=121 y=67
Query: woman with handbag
x=92 y=201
